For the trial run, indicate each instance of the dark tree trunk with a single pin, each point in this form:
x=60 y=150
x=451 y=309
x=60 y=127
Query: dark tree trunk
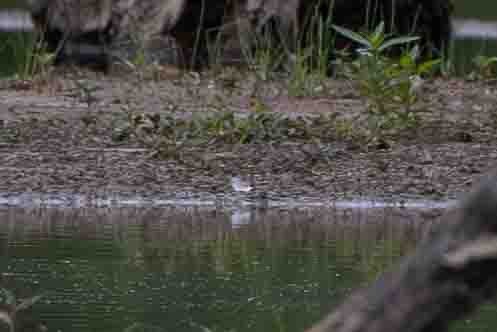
x=452 y=272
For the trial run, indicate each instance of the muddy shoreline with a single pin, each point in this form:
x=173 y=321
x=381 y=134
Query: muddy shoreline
x=58 y=135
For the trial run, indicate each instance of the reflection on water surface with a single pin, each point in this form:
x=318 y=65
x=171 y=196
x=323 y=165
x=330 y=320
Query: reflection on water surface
x=186 y=269
x=201 y=269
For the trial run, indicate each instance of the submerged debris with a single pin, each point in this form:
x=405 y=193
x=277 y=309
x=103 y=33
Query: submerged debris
x=12 y=310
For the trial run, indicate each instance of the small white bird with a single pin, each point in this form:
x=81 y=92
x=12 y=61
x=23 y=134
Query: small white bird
x=239 y=185
x=416 y=84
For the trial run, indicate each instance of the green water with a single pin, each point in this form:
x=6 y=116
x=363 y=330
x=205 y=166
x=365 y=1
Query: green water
x=180 y=269
x=481 y=9
x=12 y=3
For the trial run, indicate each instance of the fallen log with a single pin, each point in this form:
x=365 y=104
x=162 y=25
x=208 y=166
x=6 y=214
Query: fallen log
x=451 y=272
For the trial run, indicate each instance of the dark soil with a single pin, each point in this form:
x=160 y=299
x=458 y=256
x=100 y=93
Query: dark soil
x=57 y=135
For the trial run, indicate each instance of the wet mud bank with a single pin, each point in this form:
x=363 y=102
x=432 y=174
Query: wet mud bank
x=63 y=137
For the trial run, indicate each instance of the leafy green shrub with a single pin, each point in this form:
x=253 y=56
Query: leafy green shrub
x=391 y=85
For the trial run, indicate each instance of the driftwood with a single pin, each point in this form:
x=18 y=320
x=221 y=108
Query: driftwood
x=94 y=32
x=11 y=313
x=447 y=277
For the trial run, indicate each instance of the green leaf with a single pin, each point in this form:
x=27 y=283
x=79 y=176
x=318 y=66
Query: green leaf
x=380 y=30
x=428 y=66
x=378 y=36
x=396 y=41
x=484 y=61
x=352 y=35
x=407 y=62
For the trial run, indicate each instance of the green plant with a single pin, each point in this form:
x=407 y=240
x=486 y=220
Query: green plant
x=215 y=47
x=261 y=54
x=310 y=64
x=302 y=81
x=319 y=40
x=168 y=136
x=390 y=84
x=24 y=55
x=38 y=60
x=133 y=51
x=85 y=91
x=306 y=59
x=258 y=126
x=484 y=67
x=140 y=59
